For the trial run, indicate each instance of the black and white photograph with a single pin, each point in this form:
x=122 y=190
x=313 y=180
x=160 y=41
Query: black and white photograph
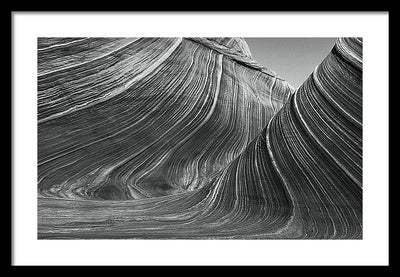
x=186 y=138
x=194 y=138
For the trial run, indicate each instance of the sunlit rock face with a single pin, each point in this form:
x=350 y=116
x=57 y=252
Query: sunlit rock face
x=191 y=138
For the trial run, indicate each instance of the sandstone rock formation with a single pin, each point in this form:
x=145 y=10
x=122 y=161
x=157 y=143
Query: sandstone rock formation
x=192 y=138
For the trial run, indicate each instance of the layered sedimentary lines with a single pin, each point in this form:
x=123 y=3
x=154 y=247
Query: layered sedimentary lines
x=191 y=138
x=149 y=118
x=237 y=50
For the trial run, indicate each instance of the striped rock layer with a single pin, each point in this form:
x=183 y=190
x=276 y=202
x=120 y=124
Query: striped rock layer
x=191 y=138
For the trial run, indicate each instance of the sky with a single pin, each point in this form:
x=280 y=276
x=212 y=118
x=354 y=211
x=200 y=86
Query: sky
x=293 y=59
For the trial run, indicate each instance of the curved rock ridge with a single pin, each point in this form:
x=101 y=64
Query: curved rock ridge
x=132 y=118
x=316 y=144
x=238 y=46
x=299 y=178
x=238 y=50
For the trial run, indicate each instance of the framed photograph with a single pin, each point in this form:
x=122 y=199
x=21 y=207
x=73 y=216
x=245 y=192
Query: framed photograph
x=173 y=139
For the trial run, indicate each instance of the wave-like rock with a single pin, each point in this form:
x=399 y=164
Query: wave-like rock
x=137 y=118
x=191 y=138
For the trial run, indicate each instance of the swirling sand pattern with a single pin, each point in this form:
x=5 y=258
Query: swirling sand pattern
x=194 y=140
